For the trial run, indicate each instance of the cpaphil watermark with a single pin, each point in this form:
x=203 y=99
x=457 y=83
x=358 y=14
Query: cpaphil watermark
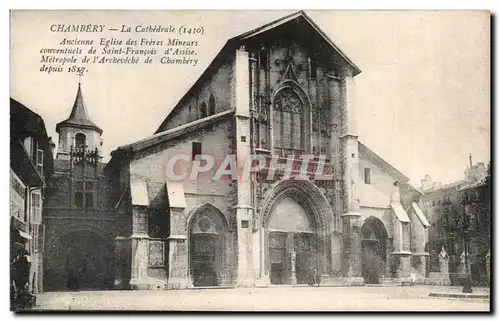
x=183 y=166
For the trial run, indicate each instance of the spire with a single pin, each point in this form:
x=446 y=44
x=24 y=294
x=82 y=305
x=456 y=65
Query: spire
x=79 y=110
x=79 y=116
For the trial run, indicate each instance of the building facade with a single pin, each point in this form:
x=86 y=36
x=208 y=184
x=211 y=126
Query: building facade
x=189 y=216
x=80 y=224
x=31 y=166
x=444 y=205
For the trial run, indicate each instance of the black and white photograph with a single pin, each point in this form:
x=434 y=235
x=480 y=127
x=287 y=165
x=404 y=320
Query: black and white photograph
x=244 y=160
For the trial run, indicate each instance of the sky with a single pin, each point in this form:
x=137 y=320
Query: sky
x=422 y=99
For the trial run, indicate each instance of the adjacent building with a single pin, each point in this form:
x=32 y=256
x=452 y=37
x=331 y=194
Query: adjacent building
x=31 y=166
x=444 y=206
x=274 y=95
x=80 y=227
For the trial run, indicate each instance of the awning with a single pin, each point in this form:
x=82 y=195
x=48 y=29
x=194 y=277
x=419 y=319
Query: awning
x=175 y=194
x=420 y=214
x=25 y=235
x=400 y=212
x=139 y=192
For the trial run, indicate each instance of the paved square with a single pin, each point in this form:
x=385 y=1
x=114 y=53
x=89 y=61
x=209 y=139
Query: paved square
x=412 y=298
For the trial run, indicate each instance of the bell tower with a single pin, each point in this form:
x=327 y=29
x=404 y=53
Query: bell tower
x=78 y=132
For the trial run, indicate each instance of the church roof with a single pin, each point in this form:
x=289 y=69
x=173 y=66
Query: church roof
x=296 y=16
x=373 y=157
x=79 y=116
x=172 y=133
x=299 y=24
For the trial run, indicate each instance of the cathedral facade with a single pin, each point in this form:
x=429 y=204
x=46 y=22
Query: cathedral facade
x=255 y=177
x=280 y=93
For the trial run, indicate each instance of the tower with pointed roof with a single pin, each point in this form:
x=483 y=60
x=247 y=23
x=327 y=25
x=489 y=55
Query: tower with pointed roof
x=78 y=131
x=80 y=225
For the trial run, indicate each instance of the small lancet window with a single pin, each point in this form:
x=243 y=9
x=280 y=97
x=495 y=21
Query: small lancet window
x=211 y=105
x=203 y=109
x=263 y=58
x=314 y=69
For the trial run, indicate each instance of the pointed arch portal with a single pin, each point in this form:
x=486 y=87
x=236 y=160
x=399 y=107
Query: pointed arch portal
x=295 y=219
x=373 y=247
x=207 y=246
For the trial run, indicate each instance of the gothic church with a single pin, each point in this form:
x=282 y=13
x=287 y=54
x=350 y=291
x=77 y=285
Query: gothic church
x=282 y=91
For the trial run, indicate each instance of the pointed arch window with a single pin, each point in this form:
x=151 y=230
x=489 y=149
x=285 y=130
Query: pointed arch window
x=203 y=109
x=211 y=105
x=288 y=123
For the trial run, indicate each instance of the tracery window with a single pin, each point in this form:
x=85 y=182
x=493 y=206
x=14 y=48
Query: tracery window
x=288 y=123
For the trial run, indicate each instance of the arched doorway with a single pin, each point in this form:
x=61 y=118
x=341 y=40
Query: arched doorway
x=296 y=219
x=207 y=247
x=80 y=260
x=373 y=245
x=292 y=248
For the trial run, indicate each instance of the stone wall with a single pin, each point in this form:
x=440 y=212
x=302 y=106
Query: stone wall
x=217 y=85
x=150 y=166
x=66 y=226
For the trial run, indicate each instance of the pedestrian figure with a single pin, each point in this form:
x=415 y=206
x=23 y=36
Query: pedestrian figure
x=21 y=298
x=22 y=268
x=314 y=277
x=317 y=277
x=72 y=282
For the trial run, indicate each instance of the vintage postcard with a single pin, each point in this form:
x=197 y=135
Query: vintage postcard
x=250 y=161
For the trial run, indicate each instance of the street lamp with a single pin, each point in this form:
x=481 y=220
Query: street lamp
x=450 y=226
x=465 y=229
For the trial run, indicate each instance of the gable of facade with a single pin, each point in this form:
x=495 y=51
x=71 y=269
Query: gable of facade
x=284 y=69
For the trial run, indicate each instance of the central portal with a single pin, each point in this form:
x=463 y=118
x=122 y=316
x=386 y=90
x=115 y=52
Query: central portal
x=291 y=243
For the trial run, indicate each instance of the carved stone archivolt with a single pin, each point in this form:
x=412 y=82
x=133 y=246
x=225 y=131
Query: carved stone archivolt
x=91 y=228
x=304 y=192
x=207 y=218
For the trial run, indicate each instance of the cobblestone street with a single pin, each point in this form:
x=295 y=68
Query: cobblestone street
x=411 y=298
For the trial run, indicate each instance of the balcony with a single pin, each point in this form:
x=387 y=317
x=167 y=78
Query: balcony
x=79 y=153
x=313 y=167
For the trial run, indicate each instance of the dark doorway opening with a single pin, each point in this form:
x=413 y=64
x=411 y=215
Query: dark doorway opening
x=80 y=261
x=203 y=252
x=277 y=273
x=208 y=264
x=373 y=250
